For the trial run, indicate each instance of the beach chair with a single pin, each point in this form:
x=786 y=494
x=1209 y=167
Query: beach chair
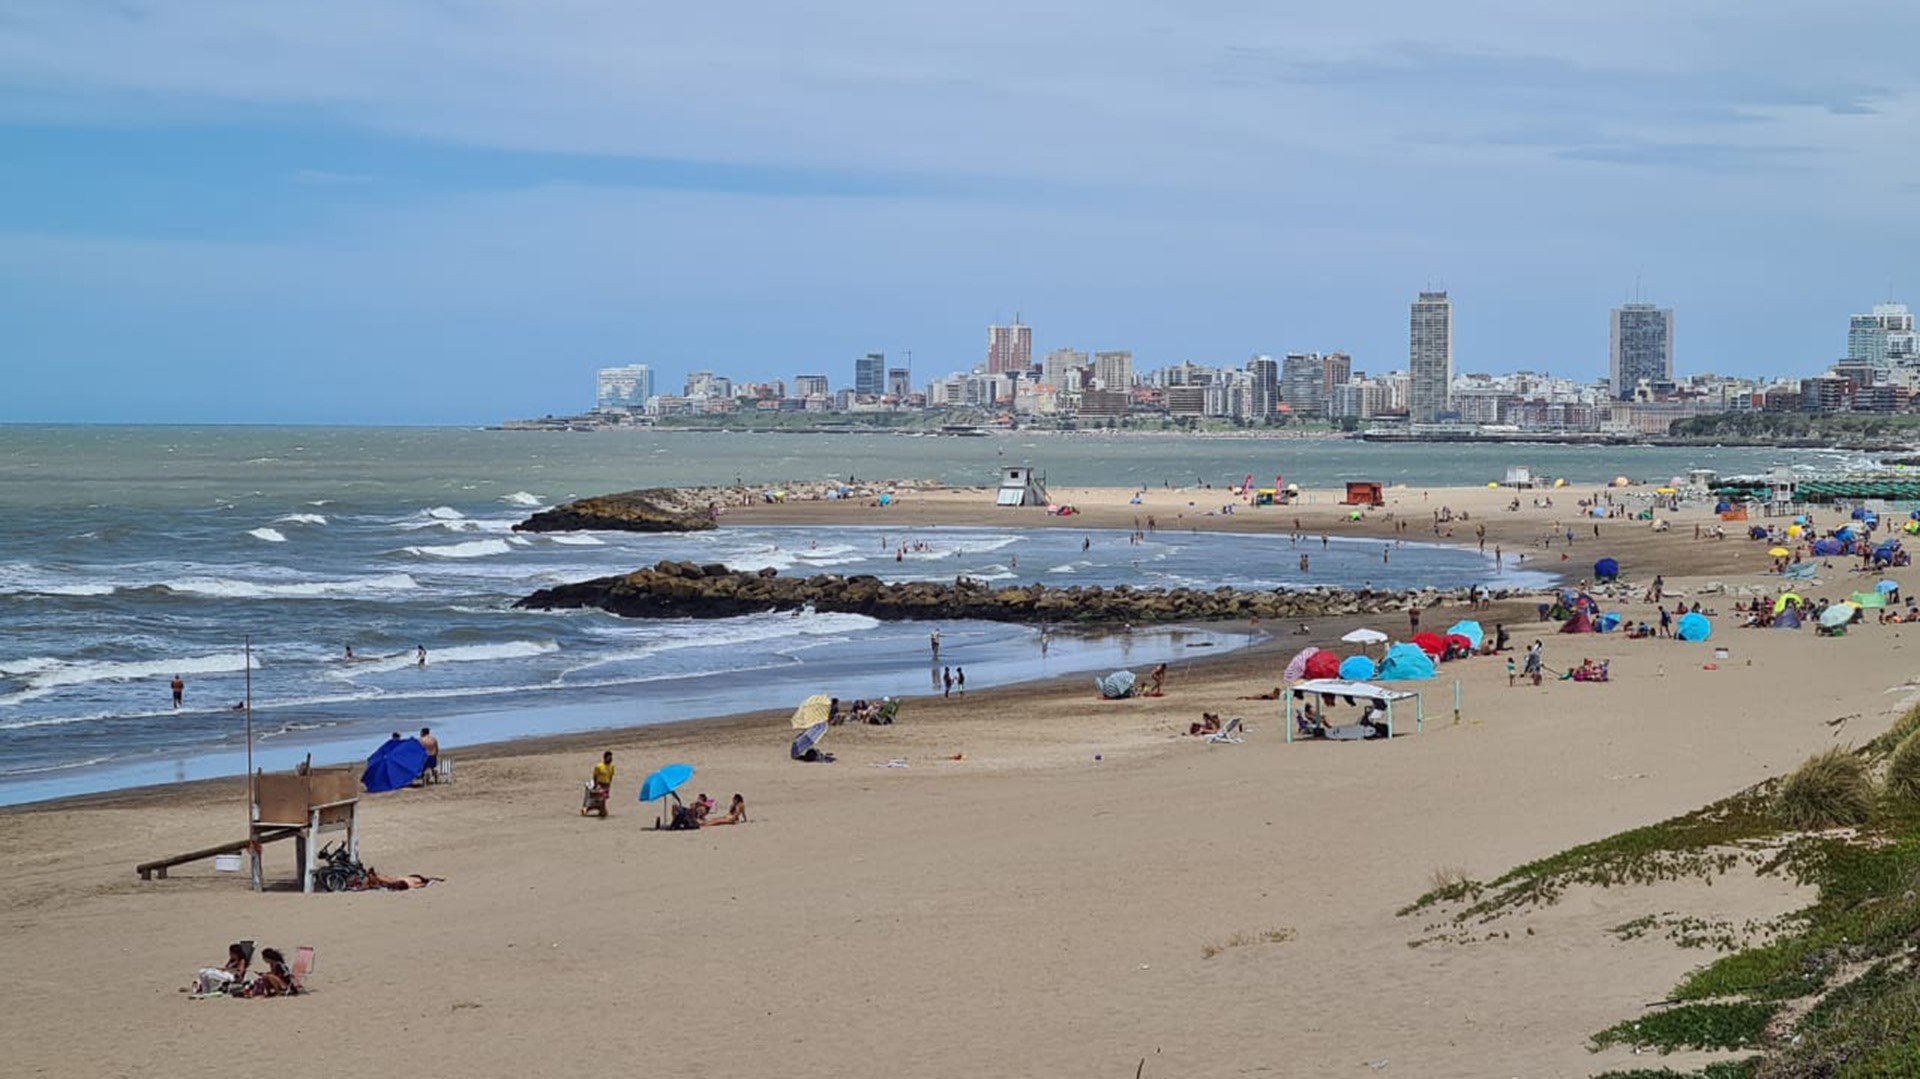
x=301 y=967
x=1232 y=734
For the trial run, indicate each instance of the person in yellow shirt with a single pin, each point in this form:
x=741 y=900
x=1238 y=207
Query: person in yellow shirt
x=601 y=788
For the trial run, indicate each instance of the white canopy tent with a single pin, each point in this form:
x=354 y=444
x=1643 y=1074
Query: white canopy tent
x=1357 y=691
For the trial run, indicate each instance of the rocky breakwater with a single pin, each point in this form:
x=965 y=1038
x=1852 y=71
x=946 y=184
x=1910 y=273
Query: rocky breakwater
x=656 y=509
x=685 y=590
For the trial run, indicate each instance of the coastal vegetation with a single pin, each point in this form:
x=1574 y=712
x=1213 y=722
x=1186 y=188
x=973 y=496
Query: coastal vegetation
x=1852 y=429
x=1829 y=990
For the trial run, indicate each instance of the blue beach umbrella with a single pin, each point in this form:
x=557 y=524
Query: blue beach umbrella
x=665 y=781
x=1469 y=629
x=1356 y=668
x=808 y=739
x=1693 y=626
x=397 y=763
x=1885 y=587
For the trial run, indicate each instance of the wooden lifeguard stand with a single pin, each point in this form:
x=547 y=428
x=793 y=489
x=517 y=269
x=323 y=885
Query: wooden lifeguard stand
x=300 y=806
x=1020 y=485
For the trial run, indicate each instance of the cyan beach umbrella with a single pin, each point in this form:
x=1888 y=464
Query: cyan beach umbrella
x=1837 y=615
x=1356 y=668
x=1885 y=587
x=397 y=763
x=1469 y=629
x=665 y=781
x=1693 y=626
x=808 y=739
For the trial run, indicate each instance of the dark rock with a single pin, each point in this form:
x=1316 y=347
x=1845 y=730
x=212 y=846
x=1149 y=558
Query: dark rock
x=656 y=509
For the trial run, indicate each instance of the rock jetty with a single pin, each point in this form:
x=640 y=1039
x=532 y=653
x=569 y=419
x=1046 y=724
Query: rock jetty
x=655 y=509
x=685 y=590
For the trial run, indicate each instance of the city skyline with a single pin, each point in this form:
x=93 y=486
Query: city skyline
x=233 y=212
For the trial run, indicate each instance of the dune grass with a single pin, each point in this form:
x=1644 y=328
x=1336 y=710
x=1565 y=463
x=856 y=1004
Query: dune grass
x=1903 y=770
x=1831 y=789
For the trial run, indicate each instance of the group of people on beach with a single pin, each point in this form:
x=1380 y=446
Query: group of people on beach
x=686 y=815
x=236 y=977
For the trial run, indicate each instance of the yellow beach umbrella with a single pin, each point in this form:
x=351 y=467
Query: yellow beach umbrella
x=1621 y=481
x=1779 y=552
x=1562 y=482
x=812 y=710
x=1793 y=531
x=1781 y=603
x=1493 y=484
x=1666 y=490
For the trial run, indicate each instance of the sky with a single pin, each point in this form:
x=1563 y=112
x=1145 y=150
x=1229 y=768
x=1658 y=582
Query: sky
x=453 y=211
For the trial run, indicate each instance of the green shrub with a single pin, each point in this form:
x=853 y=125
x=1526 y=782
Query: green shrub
x=1830 y=789
x=1730 y=1025
x=1908 y=723
x=1903 y=770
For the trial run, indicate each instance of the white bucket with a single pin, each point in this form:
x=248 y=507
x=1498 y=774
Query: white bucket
x=226 y=863
x=1719 y=653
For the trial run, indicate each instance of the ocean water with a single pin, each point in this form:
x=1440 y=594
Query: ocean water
x=130 y=555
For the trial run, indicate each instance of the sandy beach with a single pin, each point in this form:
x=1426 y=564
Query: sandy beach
x=1050 y=885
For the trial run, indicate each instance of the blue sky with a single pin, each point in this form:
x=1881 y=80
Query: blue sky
x=453 y=211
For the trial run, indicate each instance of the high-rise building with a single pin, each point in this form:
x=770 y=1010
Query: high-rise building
x=1339 y=370
x=623 y=387
x=1642 y=348
x=1053 y=369
x=899 y=382
x=1303 y=384
x=805 y=386
x=1264 y=393
x=870 y=374
x=1883 y=338
x=1114 y=370
x=1430 y=357
x=1009 y=348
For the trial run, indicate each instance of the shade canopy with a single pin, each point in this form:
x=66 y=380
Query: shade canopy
x=1364 y=636
x=1887 y=586
x=814 y=709
x=1786 y=598
x=1606 y=569
x=1357 y=668
x=1431 y=643
x=1779 y=552
x=1297 y=666
x=808 y=739
x=1117 y=685
x=1405 y=663
x=1469 y=629
x=1693 y=626
x=1322 y=665
x=397 y=763
x=1837 y=615
x=665 y=781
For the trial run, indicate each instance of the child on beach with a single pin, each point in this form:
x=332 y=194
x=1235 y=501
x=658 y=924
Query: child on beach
x=1510 y=672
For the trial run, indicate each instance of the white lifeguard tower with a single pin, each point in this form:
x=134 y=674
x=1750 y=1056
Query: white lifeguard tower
x=1520 y=476
x=1020 y=485
x=1782 y=488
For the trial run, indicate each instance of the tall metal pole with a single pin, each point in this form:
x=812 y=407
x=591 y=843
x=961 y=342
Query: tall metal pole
x=249 y=702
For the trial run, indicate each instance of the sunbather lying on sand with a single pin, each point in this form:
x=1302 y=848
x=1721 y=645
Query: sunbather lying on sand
x=1271 y=695
x=736 y=813
x=1209 y=724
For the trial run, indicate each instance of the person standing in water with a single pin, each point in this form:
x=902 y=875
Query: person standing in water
x=422 y=650
x=960 y=680
x=933 y=639
x=179 y=690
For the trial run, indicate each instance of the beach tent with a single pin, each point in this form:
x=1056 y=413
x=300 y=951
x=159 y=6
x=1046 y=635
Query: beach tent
x=1469 y=629
x=1787 y=619
x=1867 y=599
x=1800 y=571
x=1786 y=598
x=1607 y=623
x=1357 y=668
x=1297 y=666
x=1323 y=665
x=1606 y=569
x=1828 y=547
x=1117 y=685
x=1693 y=626
x=1431 y=643
x=1579 y=623
x=1405 y=663
x=1363 y=691
x=1458 y=643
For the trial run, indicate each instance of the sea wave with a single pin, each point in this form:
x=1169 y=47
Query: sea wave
x=469 y=549
x=443 y=513
x=521 y=498
x=459 y=653
x=229 y=588
x=74 y=673
x=576 y=541
x=302 y=519
x=270 y=535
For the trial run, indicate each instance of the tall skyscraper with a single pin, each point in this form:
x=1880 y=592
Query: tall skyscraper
x=1114 y=370
x=1303 y=377
x=1009 y=348
x=1430 y=357
x=1883 y=338
x=1053 y=369
x=1642 y=347
x=810 y=386
x=1339 y=370
x=870 y=374
x=1264 y=395
x=623 y=387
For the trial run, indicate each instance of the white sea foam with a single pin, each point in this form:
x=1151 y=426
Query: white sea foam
x=520 y=541
x=81 y=672
x=521 y=498
x=28 y=665
x=443 y=513
x=270 y=535
x=575 y=540
x=301 y=519
x=469 y=549
x=228 y=588
x=459 y=653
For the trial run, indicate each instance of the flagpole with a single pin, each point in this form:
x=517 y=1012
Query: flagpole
x=249 y=703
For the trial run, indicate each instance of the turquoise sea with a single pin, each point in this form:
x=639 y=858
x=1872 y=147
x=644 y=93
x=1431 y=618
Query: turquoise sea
x=131 y=554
